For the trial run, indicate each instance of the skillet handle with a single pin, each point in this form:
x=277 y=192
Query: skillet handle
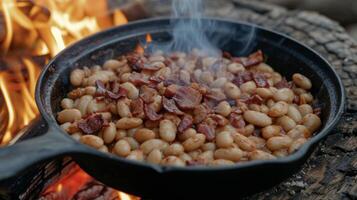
x=16 y=158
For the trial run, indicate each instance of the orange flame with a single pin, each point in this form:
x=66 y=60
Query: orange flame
x=43 y=28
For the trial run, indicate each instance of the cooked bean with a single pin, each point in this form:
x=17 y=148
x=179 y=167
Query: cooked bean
x=133 y=92
x=248 y=87
x=286 y=122
x=264 y=93
x=257 y=118
x=235 y=68
x=260 y=155
x=205 y=157
x=312 y=122
x=164 y=72
x=296 y=145
x=306 y=98
x=125 y=77
x=305 y=109
x=281 y=153
x=263 y=67
x=248 y=130
x=83 y=103
x=185 y=157
x=69 y=115
x=112 y=64
x=106 y=115
x=302 y=81
x=243 y=142
x=120 y=134
x=109 y=133
x=194 y=154
x=284 y=94
x=92 y=140
x=279 y=109
x=122 y=148
x=152 y=144
x=123 y=109
x=194 y=142
x=206 y=77
x=271 y=131
x=259 y=142
x=224 y=139
x=157 y=104
x=190 y=132
x=77 y=77
x=155 y=156
x=132 y=142
x=276 y=77
x=173 y=160
x=128 y=123
x=167 y=130
x=209 y=146
x=279 y=142
x=270 y=103
x=95 y=106
x=294 y=114
x=174 y=149
x=103 y=149
x=299 y=131
x=136 y=155
x=67 y=103
x=231 y=90
x=219 y=82
x=219 y=162
x=65 y=126
x=223 y=108
x=234 y=154
x=98 y=76
x=76 y=136
x=143 y=134
x=185 y=76
x=264 y=109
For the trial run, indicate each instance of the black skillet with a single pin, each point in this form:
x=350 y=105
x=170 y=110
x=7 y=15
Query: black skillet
x=283 y=53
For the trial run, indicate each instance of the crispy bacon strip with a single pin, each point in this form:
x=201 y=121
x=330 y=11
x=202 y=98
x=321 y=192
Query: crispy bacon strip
x=151 y=114
x=170 y=106
x=207 y=130
x=137 y=108
x=185 y=123
x=187 y=98
x=252 y=60
x=147 y=94
x=91 y=124
x=101 y=90
x=260 y=80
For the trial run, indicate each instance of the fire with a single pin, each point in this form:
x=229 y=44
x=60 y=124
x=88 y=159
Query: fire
x=140 y=48
x=43 y=28
x=33 y=32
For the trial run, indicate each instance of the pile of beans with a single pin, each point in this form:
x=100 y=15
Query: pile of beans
x=187 y=109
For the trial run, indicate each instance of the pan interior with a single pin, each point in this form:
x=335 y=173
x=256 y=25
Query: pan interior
x=283 y=54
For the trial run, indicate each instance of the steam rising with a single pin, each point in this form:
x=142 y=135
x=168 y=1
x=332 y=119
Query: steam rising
x=188 y=29
x=191 y=31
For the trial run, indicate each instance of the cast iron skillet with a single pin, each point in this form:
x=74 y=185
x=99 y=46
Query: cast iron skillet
x=283 y=53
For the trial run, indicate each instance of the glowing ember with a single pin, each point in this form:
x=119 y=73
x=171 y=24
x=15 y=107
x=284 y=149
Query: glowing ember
x=43 y=28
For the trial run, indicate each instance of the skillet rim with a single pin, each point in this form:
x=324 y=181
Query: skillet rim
x=298 y=155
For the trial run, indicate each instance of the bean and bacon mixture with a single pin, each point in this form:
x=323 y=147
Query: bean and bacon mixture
x=187 y=109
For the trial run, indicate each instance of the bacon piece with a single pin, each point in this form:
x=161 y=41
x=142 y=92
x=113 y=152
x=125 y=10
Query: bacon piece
x=252 y=60
x=219 y=119
x=255 y=99
x=138 y=79
x=91 y=124
x=135 y=61
x=102 y=90
x=242 y=77
x=170 y=106
x=187 y=98
x=185 y=123
x=207 y=130
x=147 y=94
x=260 y=80
x=156 y=79
x=283 y=84
x=151 y=114
x=227 y=55
x=236 y=120
x=216 y=95
x=171 y=90
x=200 y=113
x=137 y=108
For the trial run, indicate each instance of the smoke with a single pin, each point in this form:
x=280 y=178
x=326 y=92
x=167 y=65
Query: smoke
x=190 y=31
